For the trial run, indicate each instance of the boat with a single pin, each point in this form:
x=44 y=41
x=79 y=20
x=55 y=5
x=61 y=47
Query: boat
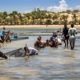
x=19 y=38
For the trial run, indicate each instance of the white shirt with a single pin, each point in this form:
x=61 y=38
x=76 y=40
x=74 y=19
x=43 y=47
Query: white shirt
x=32 y=50
x=72 y=32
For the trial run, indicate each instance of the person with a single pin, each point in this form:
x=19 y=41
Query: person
x=7 y=37
x=72 y=34
x=25 y=51
x=53 y=40
x=47 y=43
x=58 y=38
x=2 y=34
x=39 y=43
x=1 y=37
x=2 y=55
x=65 y=35
x=29 y=51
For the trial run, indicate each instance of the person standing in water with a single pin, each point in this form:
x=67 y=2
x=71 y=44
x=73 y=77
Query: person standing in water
x=72 y=36
x=65 y=35
x=3 y=34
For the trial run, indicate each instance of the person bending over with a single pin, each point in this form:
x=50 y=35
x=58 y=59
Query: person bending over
x=29 y=51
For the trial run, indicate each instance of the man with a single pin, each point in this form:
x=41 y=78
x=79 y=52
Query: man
x=29 y=51
x=2 y=35
x=7 y=37
x=72 y=35
x=65 y=35
x=39 y=43
x=54 y=40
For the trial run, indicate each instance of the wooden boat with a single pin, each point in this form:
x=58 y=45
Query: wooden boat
x=19 y=38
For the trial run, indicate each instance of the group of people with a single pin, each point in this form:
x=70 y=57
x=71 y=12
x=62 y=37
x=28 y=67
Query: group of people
x=5 y=35
x=69 y=36
x=54 y=41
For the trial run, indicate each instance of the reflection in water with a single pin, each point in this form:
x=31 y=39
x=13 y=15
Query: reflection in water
x=50 y=64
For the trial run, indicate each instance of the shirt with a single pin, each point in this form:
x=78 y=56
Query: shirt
x=32 y=50
x=65 y=31
x=1 y=34
x=72 y=32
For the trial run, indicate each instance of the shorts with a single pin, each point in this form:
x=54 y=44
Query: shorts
x=66 y=37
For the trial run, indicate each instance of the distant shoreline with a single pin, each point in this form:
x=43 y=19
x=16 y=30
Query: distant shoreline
x=36 y=26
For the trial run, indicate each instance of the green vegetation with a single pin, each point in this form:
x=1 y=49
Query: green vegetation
x=38 y=16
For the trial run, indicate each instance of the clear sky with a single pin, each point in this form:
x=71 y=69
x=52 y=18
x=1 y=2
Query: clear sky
x=29 y=5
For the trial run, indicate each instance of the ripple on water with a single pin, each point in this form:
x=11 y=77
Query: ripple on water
x=50 y=64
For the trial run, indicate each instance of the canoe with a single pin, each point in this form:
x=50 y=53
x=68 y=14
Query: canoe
x=19 y=38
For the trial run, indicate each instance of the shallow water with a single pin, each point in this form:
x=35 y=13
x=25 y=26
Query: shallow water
x=51 y=64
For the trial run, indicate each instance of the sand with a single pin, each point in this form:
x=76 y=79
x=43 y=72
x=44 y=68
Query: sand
x=36 y=26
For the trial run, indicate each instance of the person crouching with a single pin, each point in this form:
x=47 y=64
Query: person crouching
x=29 y=51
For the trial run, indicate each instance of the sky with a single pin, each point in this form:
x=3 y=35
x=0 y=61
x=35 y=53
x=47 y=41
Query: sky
x=29 y=5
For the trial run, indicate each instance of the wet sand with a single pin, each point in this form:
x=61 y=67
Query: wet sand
x=51 y=64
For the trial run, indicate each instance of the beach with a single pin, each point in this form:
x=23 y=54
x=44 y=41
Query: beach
x=36 y=26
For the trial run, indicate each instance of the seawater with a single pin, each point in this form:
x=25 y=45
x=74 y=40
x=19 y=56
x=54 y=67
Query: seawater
x=51 y=64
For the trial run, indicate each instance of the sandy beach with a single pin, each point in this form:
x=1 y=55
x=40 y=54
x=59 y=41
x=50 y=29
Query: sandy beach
x=36 y=26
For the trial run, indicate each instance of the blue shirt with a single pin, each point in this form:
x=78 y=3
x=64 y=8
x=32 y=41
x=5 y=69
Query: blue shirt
x=1 y=33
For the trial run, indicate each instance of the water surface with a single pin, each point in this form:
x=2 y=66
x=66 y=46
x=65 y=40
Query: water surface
x=51 y=64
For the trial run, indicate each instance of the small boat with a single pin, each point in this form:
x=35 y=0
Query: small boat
x=13 y=52
x=18 y=38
